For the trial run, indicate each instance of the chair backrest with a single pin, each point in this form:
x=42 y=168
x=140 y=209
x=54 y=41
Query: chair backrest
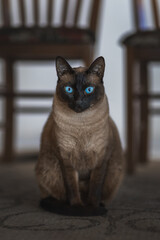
x=139 y=14
x=66 y=7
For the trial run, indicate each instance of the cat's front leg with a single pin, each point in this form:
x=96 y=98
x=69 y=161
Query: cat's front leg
x=72 y=185
x=96 y=185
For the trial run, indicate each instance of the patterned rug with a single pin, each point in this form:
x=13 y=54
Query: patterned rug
x=134 y=213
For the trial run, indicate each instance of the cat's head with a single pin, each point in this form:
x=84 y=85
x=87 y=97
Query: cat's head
x=80 y=88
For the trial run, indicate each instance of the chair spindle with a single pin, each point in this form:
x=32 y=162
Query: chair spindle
x=64 y=11
x=5 y=12
x=49 y=12
x=94 y=14
x=135 y=4
x=36 y=12
x=77 y=11
x=22 y=12
x=155 y=13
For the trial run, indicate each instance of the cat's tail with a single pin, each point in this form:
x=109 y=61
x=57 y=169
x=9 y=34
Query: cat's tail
x=53 y=205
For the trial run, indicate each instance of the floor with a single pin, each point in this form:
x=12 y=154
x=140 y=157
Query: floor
x=134 y=213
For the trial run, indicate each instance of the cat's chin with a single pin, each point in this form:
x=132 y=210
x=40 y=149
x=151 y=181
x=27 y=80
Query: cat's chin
x=78 y=111
x=81 y=110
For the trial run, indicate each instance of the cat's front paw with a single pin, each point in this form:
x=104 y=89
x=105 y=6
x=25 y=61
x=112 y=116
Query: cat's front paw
x=94 y=202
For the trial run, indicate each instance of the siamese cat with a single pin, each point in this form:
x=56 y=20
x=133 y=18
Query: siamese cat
x=81 y=160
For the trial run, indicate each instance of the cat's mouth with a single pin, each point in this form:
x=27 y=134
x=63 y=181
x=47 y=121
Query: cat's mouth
x=79 y=109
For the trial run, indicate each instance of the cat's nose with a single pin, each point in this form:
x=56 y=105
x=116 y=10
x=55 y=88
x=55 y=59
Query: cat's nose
x=79 y=102
x=79 y=106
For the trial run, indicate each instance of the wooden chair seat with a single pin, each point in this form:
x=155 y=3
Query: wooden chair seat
x=46 y=35
x=143 y=39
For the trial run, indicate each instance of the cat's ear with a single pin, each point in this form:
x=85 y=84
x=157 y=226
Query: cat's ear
x=62 y=67
x=97 y=67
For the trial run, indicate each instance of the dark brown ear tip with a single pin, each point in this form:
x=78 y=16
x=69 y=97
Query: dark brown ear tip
x=59 y=58
x=101 y=58
x=62 y=66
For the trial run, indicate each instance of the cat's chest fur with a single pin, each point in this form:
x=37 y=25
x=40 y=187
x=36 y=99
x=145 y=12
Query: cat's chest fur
x=81 y=138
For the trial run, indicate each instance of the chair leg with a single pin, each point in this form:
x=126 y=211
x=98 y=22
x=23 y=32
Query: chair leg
x=88 y=61
x=129 y=111
x=88 y=58
x=8 y=138
x=144 y=113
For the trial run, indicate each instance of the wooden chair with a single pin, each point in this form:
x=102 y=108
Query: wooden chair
x=142 y=47
x=40 y=43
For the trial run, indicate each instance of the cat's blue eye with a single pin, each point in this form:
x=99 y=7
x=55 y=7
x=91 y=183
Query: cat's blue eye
x=89 y=90
x=69 y=89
